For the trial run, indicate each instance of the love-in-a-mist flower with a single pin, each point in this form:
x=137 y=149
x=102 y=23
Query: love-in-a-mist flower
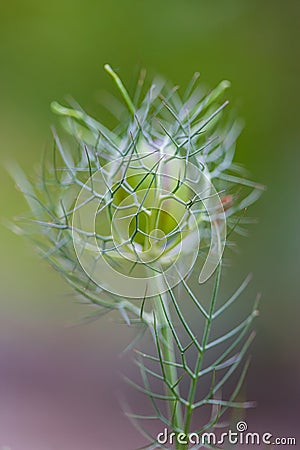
x=128 y=215
x=138 y=220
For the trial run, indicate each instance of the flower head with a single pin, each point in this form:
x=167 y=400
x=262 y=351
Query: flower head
x=140 y=204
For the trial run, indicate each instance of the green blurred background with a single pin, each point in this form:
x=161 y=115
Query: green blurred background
x=59 y=385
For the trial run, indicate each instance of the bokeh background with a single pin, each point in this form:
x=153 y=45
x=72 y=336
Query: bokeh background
x=59 y=384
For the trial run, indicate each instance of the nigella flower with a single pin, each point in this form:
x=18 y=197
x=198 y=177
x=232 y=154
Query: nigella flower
x=126 y=215
x=146 y=201
x=137 y=222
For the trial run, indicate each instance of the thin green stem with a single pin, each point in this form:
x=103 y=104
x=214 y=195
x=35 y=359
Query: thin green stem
x=121 y=88
x=168 y=354
x=194 y=381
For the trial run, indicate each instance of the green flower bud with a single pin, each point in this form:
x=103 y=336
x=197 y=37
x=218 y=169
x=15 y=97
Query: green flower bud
x=140 y=231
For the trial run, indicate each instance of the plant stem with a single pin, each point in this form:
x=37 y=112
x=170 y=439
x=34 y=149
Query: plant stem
x=168 y=354
x=199 y=361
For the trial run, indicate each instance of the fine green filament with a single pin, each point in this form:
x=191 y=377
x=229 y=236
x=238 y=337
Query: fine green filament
x=121 y=88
